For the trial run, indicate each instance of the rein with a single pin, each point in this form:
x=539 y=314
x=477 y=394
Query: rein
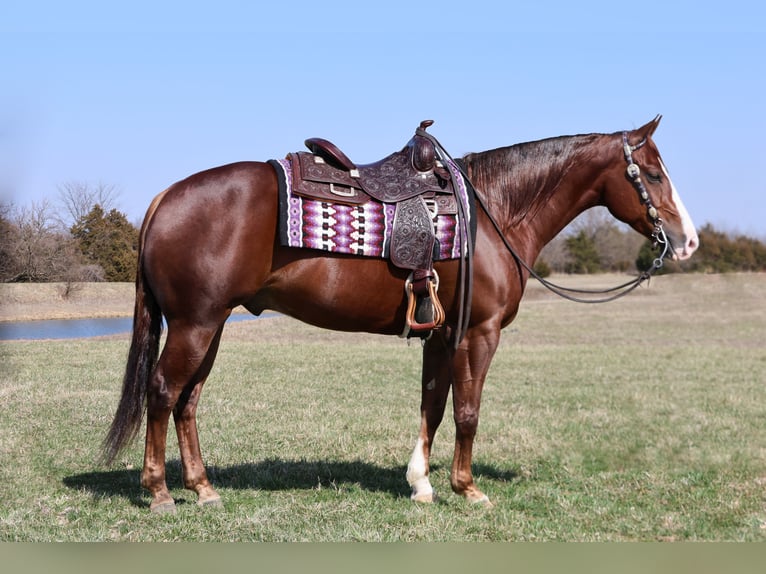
x=658 y=235
x=465 y=279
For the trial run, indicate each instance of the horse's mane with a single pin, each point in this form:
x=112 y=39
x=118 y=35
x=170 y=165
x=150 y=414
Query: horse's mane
x=521 y=178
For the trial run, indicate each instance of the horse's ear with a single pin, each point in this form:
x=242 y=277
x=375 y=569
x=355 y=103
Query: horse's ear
x=649 y=128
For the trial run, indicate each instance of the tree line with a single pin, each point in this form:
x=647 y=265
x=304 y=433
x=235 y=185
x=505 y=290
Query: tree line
x=595 y=243
x=83 y=237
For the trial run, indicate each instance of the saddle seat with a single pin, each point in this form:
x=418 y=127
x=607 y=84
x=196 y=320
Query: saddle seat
x=422 y=156
x=420 y=187
x=414 y=170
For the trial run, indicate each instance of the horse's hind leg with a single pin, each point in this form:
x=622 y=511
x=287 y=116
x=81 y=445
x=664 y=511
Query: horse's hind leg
x=182 y=360
x=185 y=418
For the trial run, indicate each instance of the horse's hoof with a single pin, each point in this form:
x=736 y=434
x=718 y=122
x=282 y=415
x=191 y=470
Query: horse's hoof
x=167 y=507
x=215 y=502
x=425 y=498
x=482 y=501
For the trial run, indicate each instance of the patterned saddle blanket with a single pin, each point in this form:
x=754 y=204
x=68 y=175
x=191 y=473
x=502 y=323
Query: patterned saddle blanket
x=403 y=208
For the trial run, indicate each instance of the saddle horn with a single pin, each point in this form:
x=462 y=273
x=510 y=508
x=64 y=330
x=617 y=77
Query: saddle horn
x=423 y=150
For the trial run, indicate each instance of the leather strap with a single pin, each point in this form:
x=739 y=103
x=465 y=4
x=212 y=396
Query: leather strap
x=422 y=284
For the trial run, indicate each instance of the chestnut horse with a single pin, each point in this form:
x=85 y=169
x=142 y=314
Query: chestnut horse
x=209 y=243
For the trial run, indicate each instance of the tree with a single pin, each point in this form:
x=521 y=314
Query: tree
x=7 y=237
x=616 y=244
x=78 y=198
x=646 y=256
x=617 y=248
x=719 y=252
x=108 y=240
x=555 y=254
x=583 y=254
x=34 y=248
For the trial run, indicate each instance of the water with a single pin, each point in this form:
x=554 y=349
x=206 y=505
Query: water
x=75 y=328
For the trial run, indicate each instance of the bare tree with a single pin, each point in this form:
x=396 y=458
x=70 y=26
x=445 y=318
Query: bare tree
x=35 y=248
x=555 y=254
x=7 y=239
x=78 y=198
x=593 y=220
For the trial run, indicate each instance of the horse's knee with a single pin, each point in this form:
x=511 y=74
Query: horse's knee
x=466 y=421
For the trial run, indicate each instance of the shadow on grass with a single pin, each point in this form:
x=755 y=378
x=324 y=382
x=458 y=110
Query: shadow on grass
x=271 y=474
x=278 y=474
x=481 y=469
x=108 y=483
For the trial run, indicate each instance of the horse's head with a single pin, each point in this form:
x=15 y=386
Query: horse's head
x=642 y=195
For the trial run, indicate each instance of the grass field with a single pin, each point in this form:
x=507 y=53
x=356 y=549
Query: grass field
x=643 y=419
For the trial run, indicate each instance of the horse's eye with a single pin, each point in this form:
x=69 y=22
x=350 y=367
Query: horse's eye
x=654 y=177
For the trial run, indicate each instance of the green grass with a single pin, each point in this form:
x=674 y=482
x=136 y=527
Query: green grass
x=640 y=420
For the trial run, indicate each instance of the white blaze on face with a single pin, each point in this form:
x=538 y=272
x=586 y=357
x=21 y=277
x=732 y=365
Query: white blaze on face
x=690 y=241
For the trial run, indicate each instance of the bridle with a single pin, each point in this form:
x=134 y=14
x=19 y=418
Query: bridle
x=634 y=173
x=658 y=235
x=466 y=267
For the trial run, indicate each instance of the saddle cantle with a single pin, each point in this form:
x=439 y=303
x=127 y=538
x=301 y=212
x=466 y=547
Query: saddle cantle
x=414 y=184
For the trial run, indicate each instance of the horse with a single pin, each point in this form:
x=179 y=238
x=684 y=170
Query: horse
x=209 y=243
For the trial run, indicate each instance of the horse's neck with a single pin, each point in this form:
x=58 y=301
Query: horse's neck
x=559 y=212
x=575 y=193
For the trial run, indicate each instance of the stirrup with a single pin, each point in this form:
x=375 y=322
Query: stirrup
x=425 y=313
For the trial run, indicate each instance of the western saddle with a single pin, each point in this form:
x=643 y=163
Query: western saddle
x=420 y=186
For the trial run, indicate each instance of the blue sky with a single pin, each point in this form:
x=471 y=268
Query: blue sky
x=141 y=94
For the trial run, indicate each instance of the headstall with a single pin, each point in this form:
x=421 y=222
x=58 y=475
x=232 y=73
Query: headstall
x=634 y=173
x=658 y=235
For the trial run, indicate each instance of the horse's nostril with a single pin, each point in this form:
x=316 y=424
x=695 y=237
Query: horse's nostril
x=694 y=243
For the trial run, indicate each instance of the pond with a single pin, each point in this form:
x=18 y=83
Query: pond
x=76 y=328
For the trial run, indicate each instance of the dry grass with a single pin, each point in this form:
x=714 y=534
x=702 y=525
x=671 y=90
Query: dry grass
x=35 y=301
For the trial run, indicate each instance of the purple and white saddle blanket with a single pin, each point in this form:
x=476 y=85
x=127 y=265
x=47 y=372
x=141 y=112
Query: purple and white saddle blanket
x=364 y=229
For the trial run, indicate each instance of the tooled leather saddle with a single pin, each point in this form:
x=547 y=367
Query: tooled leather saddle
x=418 y=185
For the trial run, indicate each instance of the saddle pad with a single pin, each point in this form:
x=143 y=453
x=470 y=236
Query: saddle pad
x=363 y=229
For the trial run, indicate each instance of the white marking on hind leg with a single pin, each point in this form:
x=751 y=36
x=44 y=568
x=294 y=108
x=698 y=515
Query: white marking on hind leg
x=422 y=491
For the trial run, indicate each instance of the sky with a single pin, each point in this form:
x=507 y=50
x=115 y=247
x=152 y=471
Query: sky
x=137 y=95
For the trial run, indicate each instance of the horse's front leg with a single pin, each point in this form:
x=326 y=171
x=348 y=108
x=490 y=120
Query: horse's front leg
x=471 y=363
x=436 y=379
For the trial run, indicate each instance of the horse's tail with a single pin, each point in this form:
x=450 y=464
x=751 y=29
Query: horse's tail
x=142 y=356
